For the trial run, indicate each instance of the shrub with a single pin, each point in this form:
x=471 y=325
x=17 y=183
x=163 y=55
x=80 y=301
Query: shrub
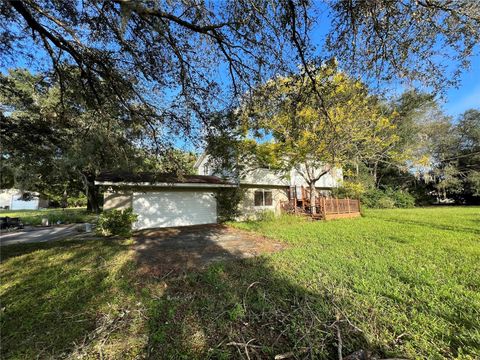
x=385 y=202
x=349 y=189
x=116 y=222
x=77 y=201
x=67 y=217
x=387 y=199
x=371 y=197
x=402 y=199
x=228 y=200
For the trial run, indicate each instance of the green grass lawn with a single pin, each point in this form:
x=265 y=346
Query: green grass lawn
x=66 y=216
x=399 y=283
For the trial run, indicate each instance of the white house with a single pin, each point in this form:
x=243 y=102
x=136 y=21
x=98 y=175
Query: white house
x=15 y=199
x=162 y=200
x=265 y=189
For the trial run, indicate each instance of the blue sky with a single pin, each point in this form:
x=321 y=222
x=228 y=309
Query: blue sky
x=455 y=101
x=467 y=96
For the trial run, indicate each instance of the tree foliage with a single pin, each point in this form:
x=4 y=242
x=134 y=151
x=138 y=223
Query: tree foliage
x=456 y=159
x=185 y=59
x=54 y=141
x=427 y=40
x=439 y=154
x=349 y=125
x=56 y=144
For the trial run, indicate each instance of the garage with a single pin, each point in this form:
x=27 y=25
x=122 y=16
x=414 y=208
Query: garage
x=174 y=208
x=163 y=200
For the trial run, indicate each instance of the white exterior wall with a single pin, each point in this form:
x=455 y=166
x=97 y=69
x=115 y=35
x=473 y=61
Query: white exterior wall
x=6 y=197
x=205 y=167
x=330 y=180
x=267 y=177
x=200 y=165
x=247 y=205
x=117 y=200
x=264 y=177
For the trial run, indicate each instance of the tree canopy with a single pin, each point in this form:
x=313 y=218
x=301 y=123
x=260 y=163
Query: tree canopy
x=54 y=143
x=141 y=74
x=185 y=59
x=456 y=158
x=296 y=131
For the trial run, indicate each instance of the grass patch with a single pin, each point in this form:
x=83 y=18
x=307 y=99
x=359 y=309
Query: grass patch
x=65 y=216
x=70 y=299
x=399 y=283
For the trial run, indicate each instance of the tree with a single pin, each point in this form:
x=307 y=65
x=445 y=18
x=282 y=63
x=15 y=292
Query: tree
x=396 y=166
x=457 y=158
x=426 y=40
x=57 y=143
x=315 y=138
x=171 y=55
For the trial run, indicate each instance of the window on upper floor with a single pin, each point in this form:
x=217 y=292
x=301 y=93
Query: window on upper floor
x=263 y=198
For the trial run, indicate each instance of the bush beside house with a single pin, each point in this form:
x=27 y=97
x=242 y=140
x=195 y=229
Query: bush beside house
x=387 y=198
x=116 y=222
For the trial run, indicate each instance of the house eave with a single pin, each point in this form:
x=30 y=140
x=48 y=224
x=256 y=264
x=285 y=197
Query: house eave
x=164 y=185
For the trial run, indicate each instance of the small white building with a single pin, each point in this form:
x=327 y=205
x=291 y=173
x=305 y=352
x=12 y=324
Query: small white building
x=15 y=199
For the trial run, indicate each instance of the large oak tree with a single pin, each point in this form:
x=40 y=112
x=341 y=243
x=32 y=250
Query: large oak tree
x=54 y=143
x=185 y=59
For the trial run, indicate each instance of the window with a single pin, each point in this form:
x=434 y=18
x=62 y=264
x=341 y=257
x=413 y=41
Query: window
x=258 y=198
x=267 y=197
x=263 y=198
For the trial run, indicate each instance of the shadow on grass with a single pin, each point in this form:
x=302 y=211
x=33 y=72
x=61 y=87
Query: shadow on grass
x=91 y=299
x=215 y=312
x=248 y=308
x=55 y=296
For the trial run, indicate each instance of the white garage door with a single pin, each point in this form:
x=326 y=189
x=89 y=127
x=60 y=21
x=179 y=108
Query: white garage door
x=174 y=208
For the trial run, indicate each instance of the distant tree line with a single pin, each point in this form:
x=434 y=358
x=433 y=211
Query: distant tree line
x=439 y=162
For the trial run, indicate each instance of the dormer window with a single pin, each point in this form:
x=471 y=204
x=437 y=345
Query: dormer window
x=206 y=169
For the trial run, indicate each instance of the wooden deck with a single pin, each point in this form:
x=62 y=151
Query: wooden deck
x=325 y=208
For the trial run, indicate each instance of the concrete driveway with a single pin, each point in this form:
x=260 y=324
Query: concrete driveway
x=173 y=250
x=37 y=234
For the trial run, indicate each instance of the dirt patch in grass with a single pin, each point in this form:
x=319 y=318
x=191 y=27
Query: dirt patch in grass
x=162 y=252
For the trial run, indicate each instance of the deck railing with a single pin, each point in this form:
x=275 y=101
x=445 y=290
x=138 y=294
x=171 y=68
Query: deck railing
x=338 y=206
x=325 y=208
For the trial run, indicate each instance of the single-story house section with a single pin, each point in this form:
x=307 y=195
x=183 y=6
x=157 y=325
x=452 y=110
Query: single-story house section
x=15 y=199
x=162 y=200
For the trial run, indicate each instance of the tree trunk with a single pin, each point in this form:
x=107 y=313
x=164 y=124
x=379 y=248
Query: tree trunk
x=93 y=201
x=313 y=208
x=375 y=169
x=92 y=193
